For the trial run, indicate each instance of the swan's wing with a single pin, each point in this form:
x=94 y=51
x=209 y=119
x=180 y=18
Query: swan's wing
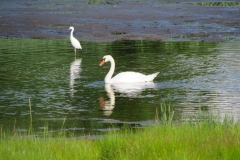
x=131 y=77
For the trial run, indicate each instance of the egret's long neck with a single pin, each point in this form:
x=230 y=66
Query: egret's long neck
x=111 y=71
x=71 y=34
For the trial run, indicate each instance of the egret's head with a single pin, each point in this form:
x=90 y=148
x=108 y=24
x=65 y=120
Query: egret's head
x=71 y=28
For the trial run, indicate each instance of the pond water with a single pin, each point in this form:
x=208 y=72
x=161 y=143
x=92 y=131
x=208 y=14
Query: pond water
x=69 y=92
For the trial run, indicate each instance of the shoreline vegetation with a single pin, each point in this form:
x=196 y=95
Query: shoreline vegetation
x=202 y=138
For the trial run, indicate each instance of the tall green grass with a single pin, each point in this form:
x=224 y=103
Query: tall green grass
x=198 y=139
x=159 y=142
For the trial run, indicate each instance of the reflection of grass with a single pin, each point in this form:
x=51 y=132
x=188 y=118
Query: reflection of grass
x=205 y=139
x=99 y=2
x=206 y=4
x=231 y=38
x=217 y=4
x=165 y=3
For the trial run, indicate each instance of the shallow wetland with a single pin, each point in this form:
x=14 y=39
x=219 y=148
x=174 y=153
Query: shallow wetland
x=54 y=105
x=194 y=46
x=193 y=76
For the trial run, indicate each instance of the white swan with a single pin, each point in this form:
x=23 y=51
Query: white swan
x=125 y=77
x=75 y=43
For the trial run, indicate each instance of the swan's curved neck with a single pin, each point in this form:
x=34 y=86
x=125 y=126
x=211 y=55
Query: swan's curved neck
x=108 y=77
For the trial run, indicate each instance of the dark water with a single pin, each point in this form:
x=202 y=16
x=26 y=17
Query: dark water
x=69 y=91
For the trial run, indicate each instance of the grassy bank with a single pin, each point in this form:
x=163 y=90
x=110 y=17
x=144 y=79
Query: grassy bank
x=179 y=141
x=201 y=138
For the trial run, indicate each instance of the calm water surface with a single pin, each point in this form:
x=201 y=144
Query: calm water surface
x=69 y=90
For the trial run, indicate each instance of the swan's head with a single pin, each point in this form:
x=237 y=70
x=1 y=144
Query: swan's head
x=71 y=28
x=105 y=59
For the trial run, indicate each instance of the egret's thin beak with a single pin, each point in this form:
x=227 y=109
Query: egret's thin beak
x=102 y=62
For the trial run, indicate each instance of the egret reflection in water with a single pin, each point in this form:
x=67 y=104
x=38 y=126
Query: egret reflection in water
x=131 y=90
x=75 y=69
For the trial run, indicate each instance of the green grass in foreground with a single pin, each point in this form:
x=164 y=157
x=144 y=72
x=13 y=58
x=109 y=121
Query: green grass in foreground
x=182 y=141
x=202 y=138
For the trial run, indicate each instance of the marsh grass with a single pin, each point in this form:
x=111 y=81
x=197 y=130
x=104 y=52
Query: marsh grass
x=30 y=114
x=202 y=138
x=166 y=114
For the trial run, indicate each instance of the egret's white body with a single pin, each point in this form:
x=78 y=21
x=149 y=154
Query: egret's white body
x=125 y=77
x=75 y=43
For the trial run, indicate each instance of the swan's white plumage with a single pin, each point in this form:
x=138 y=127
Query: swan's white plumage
x=125 y=77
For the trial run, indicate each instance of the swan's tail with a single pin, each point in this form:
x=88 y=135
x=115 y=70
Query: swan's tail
x=151 y=77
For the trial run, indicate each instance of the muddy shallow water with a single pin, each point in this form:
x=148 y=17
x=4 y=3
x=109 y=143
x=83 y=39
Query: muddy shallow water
x=102 y=21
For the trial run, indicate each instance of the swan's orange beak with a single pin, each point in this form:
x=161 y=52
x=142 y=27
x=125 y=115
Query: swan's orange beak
x=102 y=62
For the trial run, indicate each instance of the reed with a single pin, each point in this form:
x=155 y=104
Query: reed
x=30 y=130
x=167 y=113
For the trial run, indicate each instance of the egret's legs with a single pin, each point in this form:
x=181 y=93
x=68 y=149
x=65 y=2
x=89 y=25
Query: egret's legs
x=75 y=52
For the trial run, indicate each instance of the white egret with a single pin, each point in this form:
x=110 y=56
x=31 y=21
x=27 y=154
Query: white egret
x=125 y=77
x=75 y=43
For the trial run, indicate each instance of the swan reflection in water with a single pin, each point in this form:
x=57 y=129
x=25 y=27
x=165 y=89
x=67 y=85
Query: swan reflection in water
x=132 y=90
x=75 y=69
x=107 y=106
